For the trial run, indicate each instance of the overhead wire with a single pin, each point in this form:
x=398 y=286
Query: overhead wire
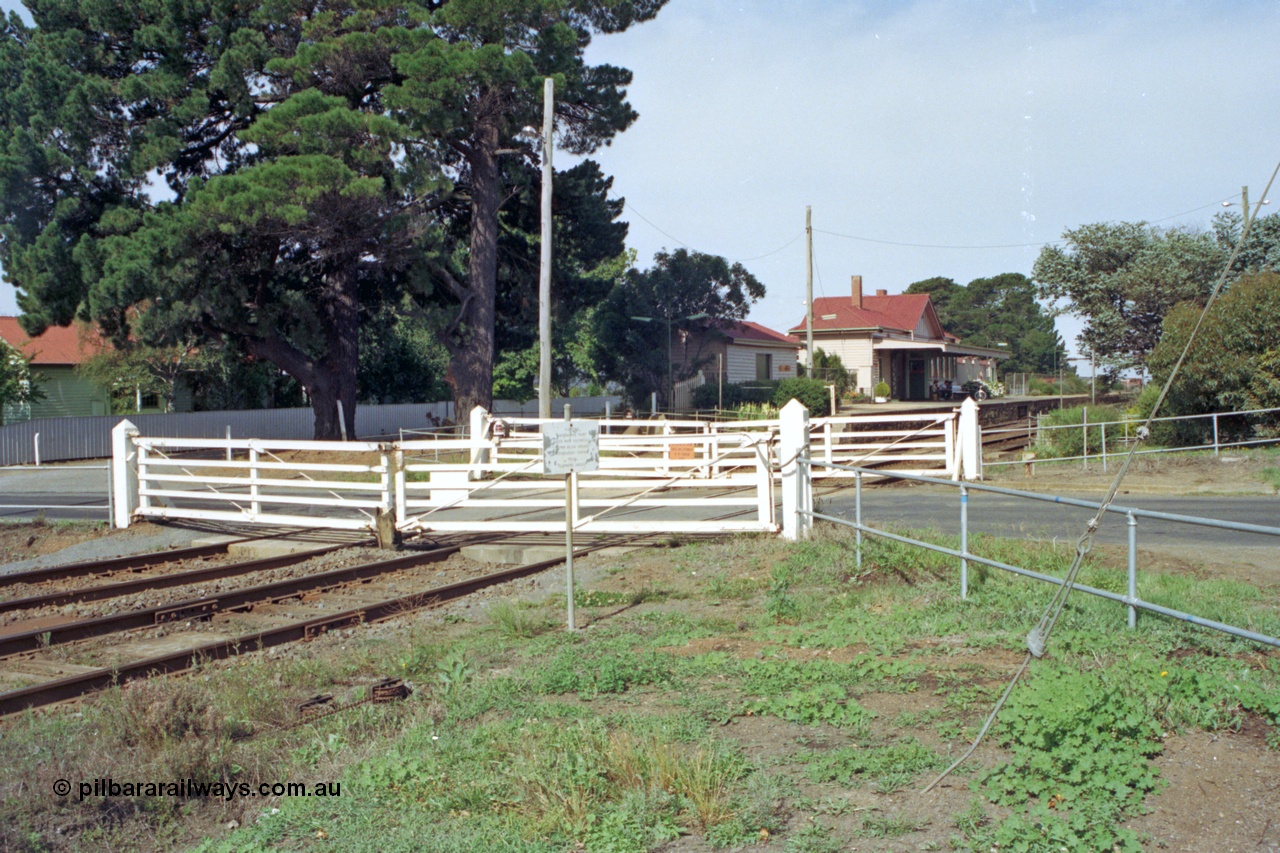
x=1038 y=638
x=904 y=244
x=685 y=245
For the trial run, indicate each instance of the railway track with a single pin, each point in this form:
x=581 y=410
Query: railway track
x=247 y=609
x=71 y=657
x=1009 y=437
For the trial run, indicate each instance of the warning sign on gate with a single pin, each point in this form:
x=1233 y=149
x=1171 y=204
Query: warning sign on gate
x=682 y=452
x=570 y=447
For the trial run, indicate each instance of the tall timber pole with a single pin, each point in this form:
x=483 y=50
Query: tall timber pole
x=808 y=285
x=544 y=275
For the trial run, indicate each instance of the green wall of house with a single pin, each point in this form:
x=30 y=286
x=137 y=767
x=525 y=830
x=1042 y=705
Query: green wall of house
x=67 y=394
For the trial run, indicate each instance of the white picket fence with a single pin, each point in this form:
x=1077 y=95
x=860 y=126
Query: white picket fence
x=654 y=477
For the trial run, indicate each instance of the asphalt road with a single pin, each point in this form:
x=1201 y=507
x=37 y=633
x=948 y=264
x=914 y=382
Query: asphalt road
x=60 y=506
x=1004 y=515
x=72 y=493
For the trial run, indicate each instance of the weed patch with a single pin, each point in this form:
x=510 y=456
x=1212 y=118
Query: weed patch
x=887 y=768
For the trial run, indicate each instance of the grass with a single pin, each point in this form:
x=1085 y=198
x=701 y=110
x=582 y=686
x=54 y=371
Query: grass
x=694 y=705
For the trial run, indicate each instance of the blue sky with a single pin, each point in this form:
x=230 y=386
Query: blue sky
x=924 y=134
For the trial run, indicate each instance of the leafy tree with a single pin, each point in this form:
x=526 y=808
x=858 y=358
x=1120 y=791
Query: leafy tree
x=1235 y=364
x=1261 y=250
x=145 y=370
x=232 y=380
x=401 y=358
x=472 y=92
x=18 y=385
x=998 y=310
x=945 y=294
x=590 y=257
x=679 y=285
x=1123 y=278
x=323 y=159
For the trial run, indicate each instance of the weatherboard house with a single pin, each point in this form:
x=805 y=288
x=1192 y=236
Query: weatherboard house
x=896 y=339
x=56 y=355
x=743 y=351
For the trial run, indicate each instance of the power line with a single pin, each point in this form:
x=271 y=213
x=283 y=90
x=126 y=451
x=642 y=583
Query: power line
x=1006 y=245
x=905 y=244
x=685 y=245
x=818 y=274
x=933 y=245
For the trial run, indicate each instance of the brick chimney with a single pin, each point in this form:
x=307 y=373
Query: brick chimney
x=882 y=292
x=855 y=285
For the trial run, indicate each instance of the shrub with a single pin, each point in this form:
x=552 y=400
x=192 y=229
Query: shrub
x=810 y=392
x=828 y=368
x=708 y=396
x=1070 y=442
x=881 y=390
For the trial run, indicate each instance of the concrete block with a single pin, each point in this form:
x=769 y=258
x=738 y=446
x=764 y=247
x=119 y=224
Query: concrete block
x=513 y=555
x=261 y=549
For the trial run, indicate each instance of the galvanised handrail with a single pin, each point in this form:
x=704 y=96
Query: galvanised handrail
x=1131 y=600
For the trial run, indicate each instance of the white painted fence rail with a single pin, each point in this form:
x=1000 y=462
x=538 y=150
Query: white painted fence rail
x=454 y=485
x=677 y=476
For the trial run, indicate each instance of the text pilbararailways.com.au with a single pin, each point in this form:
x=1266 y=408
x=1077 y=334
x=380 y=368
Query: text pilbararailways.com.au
x=191 y=789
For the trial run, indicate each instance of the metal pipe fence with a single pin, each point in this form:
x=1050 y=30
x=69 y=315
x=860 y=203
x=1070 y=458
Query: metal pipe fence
x=965 y=556
x=1123 y=433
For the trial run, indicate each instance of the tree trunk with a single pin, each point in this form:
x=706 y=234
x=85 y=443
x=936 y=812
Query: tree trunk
x=470 y=372
x=324 y=403
x=342 y=362
x=334 y=377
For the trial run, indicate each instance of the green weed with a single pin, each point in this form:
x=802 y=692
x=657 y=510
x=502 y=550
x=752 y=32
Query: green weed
x=587 y=671
x=515 y=621
x=821 y=703
x=887 y=826
x=888 y=768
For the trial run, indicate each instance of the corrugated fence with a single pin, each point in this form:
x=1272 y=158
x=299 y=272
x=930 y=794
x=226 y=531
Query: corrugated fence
x=62 y=439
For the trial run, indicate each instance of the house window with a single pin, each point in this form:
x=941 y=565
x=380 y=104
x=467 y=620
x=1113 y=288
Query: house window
x=150 y=401
x=764 y=366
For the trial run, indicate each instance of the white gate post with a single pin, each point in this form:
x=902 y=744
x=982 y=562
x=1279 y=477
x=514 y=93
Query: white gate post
x=969 y=441
x=124 y=460
x=479 y=431
x=797 y=484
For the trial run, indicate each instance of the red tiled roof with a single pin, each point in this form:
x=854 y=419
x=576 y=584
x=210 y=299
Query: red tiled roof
x=58 y=345
x=900 y=312
x=749 y=331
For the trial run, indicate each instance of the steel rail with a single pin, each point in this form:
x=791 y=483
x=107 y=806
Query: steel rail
x=206 y=606
x=15 y=701
x=129 y=562
x=212 y=573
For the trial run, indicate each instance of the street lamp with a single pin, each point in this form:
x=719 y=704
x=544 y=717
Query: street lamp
x=671 y=384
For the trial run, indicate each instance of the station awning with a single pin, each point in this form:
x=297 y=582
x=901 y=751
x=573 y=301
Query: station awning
x=940 y=347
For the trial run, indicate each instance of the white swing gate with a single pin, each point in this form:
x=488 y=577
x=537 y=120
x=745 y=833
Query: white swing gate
x=654 y=476
x=647 y=484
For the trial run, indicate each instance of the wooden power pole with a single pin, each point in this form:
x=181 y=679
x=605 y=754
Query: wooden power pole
x=808 y=285
x=544 y=275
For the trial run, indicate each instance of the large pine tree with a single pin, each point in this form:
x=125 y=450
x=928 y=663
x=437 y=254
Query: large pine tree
x=271 y=172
